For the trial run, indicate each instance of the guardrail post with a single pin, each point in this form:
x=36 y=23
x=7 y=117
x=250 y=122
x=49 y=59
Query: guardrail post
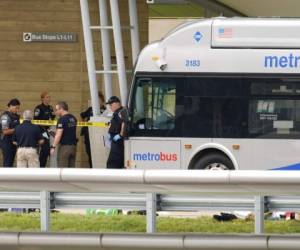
x=45 y=211
x=151 y=212
x=259 y=209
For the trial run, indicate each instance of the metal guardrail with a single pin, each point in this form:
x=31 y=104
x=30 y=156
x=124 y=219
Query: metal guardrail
x=207 y=203
x=158 y=181
x=224 y=203
x=166 y=182
x=144 y=202
x=135 y=201
x=66 y=241
x=100 y=200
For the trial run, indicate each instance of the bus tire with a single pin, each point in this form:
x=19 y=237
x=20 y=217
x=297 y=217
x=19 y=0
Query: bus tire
x=214 y=161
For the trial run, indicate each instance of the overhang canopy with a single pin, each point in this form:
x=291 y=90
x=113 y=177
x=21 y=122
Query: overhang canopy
x=286 y=8
x=253 y=8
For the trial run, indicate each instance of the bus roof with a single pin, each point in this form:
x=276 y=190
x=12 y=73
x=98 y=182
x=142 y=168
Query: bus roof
x=258 y=45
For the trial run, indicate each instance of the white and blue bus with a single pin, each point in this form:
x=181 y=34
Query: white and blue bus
x=218 y=94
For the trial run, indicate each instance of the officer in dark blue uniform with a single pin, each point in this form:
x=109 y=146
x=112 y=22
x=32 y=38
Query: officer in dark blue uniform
x=65 y=136
x=44 y=111
x=9 y=121
x=117 y=131
x=85 y=116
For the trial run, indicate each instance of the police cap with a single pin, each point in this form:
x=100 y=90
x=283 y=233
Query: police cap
x=113 y=99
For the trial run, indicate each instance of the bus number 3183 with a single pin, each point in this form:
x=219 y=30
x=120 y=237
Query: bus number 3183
x=192 y=63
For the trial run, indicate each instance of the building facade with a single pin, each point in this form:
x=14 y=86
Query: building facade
x=29 y=68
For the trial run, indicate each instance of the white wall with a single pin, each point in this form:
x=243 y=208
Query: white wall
x=159 y=27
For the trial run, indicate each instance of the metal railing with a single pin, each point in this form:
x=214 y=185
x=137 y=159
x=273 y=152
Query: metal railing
x=246 y=183
x=134 y=201
x=63 y=241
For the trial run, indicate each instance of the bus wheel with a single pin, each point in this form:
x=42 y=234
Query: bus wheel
x=214 y=161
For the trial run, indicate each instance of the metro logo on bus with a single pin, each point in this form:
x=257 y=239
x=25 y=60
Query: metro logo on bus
x=198 y=36
x=289 y=61
x=166 y=157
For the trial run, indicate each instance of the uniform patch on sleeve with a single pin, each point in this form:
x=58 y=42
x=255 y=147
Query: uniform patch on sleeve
x=4 y=122
x=59 y=125
x=37 y=112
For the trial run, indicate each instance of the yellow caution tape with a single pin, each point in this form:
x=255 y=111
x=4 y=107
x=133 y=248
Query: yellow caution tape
x=44 y=122
x=79 y=124
x=92 y=124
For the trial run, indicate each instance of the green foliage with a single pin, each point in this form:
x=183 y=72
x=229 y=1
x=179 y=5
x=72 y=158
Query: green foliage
x=137 y=223
x=175 y=10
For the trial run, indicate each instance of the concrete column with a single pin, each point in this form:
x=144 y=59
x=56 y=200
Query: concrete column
x=105 y=48
x=115 y=14
x=134 y=31
x=90 y=58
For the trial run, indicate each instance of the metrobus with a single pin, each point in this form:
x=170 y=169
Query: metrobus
x=221 y=93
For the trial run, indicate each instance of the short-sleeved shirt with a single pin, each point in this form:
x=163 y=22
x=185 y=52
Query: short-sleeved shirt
x=9 y=121
x=119 y=116
x=27 y=135
x=44 y=112
x=68 y=123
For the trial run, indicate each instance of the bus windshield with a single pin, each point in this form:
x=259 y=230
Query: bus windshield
x=154 y=106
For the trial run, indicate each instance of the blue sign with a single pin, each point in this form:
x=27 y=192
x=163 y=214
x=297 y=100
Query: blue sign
x=198 y=36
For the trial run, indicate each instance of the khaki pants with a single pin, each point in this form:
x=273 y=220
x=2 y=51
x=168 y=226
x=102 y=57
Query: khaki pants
x=27 y=158
x=66 y=156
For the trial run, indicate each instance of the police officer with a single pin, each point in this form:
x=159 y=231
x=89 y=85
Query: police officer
x=117 y=131
x=9 y=121
x=44 y=111
x=65 y=136
x=85 y=116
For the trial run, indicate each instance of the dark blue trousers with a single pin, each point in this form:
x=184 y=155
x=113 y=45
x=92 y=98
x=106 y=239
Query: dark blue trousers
x=44 y=153
x=116 y=155
x=9 y=152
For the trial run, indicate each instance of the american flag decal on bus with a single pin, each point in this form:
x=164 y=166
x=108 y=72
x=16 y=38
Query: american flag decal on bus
x=225 y=32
